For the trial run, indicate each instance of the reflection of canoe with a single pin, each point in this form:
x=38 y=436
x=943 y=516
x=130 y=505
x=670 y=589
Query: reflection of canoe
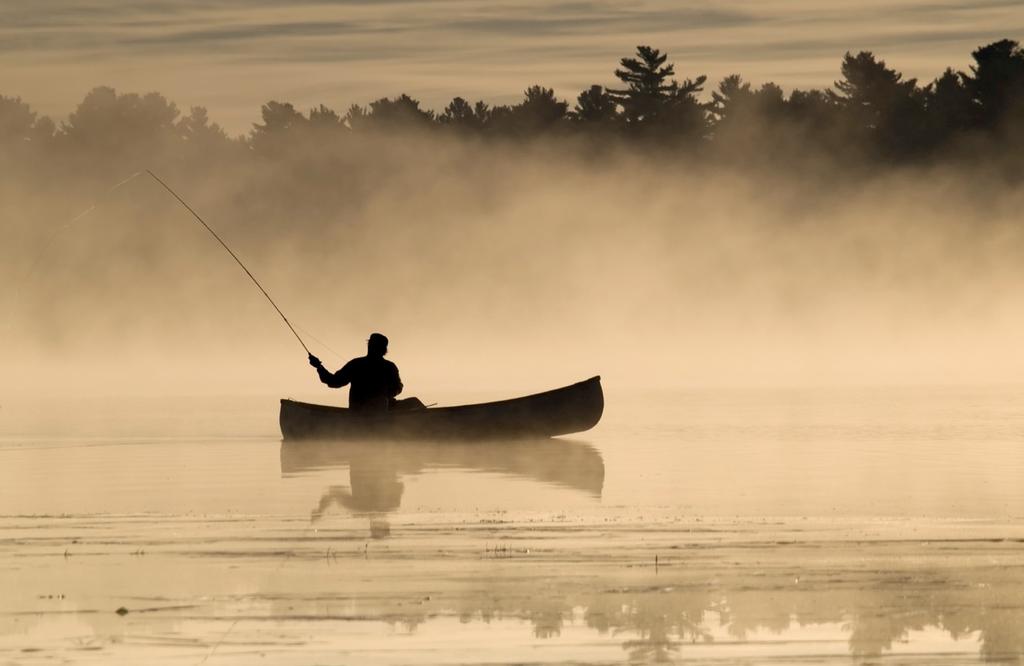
x=569 y=409
x=379 y=463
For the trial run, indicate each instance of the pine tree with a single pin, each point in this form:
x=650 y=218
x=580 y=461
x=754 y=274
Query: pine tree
x=879 y=105
x=649 y=87
x=653 y=99
x=997 y=82
x=595 y=106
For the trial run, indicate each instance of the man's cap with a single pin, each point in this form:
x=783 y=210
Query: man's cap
x=379 y=338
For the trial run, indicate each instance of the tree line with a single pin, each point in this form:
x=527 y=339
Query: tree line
x=872 y=113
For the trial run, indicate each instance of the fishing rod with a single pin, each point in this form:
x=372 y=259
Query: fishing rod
x=233 y=256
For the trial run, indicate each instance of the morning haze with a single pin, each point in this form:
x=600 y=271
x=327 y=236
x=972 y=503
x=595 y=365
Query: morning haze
x=681 y=230
x=787 y=236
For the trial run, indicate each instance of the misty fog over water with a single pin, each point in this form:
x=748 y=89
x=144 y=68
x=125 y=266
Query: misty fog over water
x=804 y=305
x=514 y=266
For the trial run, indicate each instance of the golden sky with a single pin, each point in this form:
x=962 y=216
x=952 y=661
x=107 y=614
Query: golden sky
x=233 y=55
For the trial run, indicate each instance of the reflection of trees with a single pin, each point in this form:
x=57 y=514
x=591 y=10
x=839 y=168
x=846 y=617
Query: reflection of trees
x=658 y=623
x=659 y=617
x=875 y=617
x=990 y=607
x=873 y=631
x=664 y=621
x=547 y=617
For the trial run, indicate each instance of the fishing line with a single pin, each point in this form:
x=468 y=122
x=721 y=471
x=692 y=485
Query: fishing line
x=88 y=210
x=305 y=331
x=30 y=271
x=52 y=238
x=233 y=256
x=49 y=242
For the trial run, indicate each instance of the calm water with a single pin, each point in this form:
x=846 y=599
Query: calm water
x=822 y=525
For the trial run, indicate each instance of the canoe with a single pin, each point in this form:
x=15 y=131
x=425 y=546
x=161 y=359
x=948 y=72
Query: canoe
x=566 y=410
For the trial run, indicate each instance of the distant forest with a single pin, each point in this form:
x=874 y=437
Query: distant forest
x=871 y=115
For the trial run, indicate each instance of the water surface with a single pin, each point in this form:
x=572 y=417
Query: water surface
x=831 y=525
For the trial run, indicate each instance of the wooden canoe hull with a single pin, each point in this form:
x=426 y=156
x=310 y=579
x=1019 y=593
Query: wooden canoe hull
x=566 y=410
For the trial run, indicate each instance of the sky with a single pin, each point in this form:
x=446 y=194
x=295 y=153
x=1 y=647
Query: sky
x=231 y=56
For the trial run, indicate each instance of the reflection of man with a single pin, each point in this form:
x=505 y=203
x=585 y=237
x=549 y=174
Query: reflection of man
x=373 y=491
x=374 y=380
x=369 y=494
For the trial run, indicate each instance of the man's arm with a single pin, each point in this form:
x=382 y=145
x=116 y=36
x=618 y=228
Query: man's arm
x=333 y=379
x=395 y=386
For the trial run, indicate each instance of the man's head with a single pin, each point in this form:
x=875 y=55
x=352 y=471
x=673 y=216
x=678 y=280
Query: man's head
x=376 y=345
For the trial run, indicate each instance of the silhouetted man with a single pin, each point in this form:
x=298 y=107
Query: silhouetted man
x=375 y=381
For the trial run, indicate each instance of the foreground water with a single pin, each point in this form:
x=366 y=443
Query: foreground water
x=761 y=525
